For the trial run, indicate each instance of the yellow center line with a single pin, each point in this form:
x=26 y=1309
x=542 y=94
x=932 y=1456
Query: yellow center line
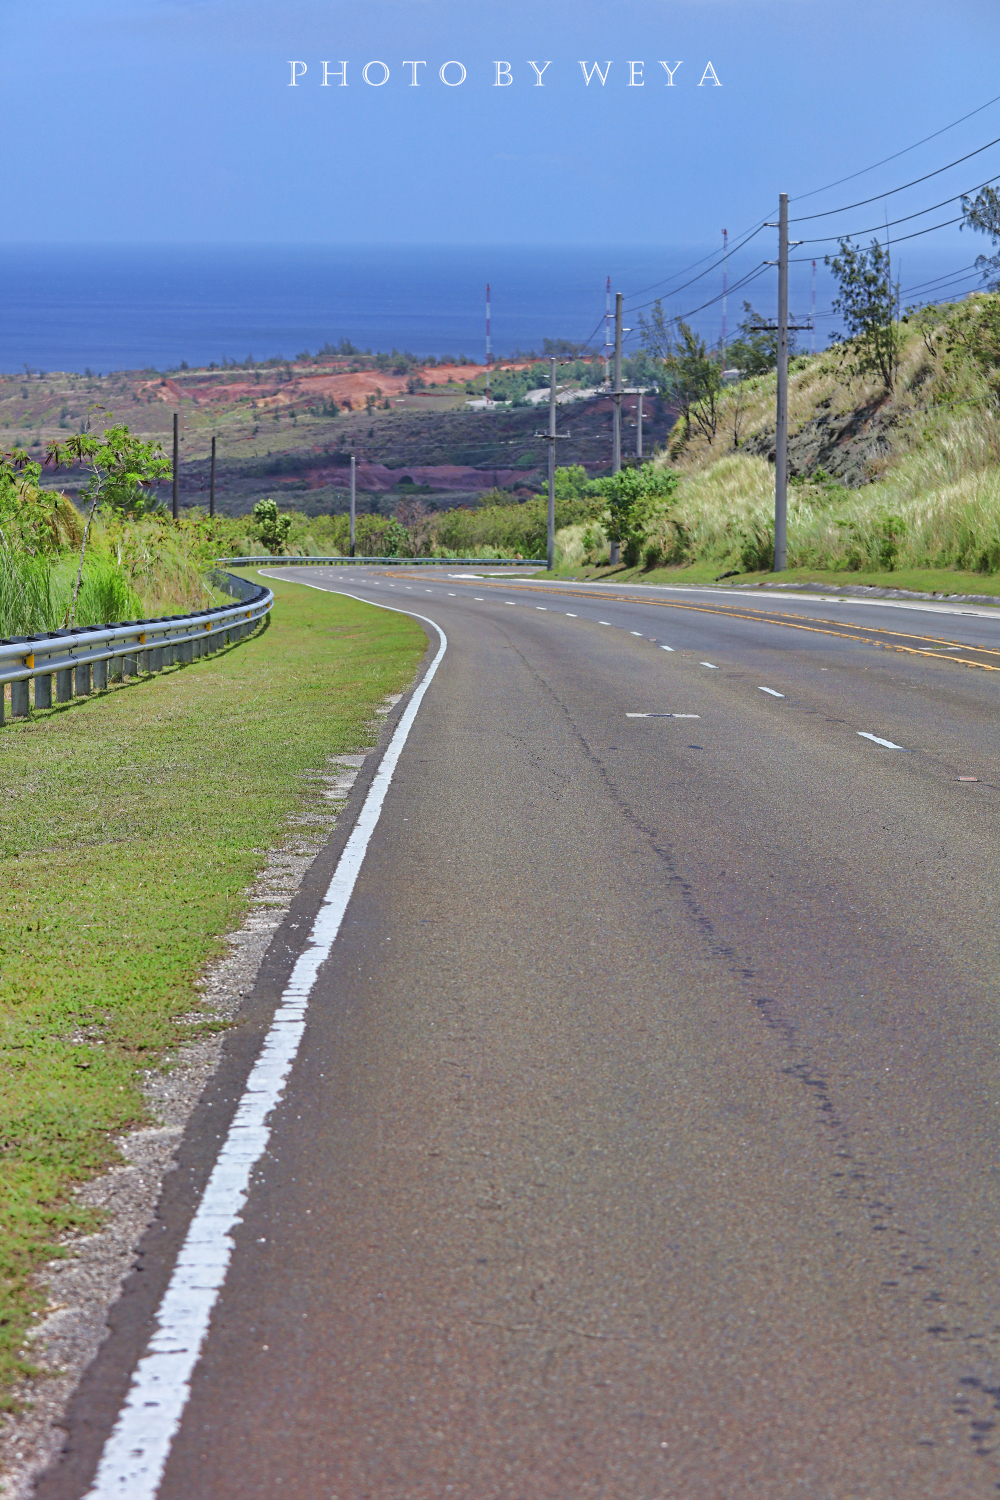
x=776 y=617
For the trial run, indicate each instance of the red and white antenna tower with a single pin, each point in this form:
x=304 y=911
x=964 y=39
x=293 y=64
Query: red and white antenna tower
x=812 y=325
x=725 y=290
x=489 y=349
x=607 y=335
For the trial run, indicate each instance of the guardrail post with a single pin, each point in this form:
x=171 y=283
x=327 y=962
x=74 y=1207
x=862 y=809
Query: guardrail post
x=156 y=659
x=43 y=690
x=100 y=678
x=19 y=699
x=82 y=684
x=116 y=667
x=130 y=666
x=64 y=685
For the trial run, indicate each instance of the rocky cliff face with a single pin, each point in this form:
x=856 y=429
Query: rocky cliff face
x=842 y=444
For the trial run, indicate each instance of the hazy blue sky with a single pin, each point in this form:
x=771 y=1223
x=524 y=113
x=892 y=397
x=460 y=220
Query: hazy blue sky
x=172 y=120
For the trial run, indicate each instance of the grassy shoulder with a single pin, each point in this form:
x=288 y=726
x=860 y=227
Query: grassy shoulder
x=134 y=821
x=944 y=581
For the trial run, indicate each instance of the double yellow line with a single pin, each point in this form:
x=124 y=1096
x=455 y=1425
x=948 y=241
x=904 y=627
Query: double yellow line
x=889 y=639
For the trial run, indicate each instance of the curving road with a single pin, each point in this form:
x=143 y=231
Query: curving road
x=643 y=1140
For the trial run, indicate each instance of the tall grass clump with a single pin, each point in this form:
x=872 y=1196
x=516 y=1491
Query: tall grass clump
x=106 y=594
x=27 y=602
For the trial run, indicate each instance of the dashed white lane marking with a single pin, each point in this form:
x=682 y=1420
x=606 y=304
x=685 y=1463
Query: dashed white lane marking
x=666 y=648
x=708 y=664
x=604 y=622
x=136 y=1453
x=635 y=632
x=451 y=595
x=888 y=744
x=570 y=616
x=663 y=716
x=772 y=691
x=509 y=601
x=542 y=607
x=477 y=598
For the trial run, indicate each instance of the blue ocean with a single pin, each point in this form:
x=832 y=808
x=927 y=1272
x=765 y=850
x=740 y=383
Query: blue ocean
x=135 y=307
x=152 y=306
x=138 y=307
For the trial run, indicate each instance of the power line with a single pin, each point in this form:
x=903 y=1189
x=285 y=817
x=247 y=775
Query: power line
x=673 y=292
x=757 y=226
x=861 y=172
x=877 y=198
x=890 y=223
x=800 y=260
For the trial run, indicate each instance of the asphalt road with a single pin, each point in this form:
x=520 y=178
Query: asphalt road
x=643 y=1140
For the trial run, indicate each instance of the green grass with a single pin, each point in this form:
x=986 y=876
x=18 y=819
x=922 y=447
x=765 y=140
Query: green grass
x=918 y=580
x=133 y=822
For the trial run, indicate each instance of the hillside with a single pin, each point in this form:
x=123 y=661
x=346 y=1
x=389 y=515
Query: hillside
x=881 y=481
x=287 y=429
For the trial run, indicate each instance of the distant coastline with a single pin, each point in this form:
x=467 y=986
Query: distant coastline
x=71 y=307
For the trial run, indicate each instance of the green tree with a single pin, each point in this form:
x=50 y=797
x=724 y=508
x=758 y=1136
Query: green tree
x=688 y=374
x=122 y=469
x=632 y=498
x=867 y=302
x=754 y=351
x=983 y=213
x=270 y=525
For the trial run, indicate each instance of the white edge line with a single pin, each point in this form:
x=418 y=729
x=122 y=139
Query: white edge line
x=888 y=744
x=773 y=691
x=138 y=1447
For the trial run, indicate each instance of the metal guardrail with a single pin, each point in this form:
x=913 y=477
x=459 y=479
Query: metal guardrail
x=82 y=661
x=439 y=562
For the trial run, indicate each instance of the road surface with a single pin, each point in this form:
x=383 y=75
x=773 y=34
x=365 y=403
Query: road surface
x=643 y=1136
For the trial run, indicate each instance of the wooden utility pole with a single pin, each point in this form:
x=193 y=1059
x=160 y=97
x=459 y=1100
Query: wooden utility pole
x=352 y=504
x=176 y=464
x=211 y=483
x=550 y=550
x=781 y=423
x=616 y=449
x=781 y=413
x=551 y=437
x=638 y=428
x=614 y=554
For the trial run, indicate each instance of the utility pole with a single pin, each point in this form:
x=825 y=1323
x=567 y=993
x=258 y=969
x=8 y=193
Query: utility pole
x=781 y=423
x=614 y=555
x=550 y=549
x=725 y=293
x=607 y=331
x=489 y=350
x=616 y=450
x=176 y=463
x=352 y=504
x=552 y=437
x=638 y=428
x=211 y=483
